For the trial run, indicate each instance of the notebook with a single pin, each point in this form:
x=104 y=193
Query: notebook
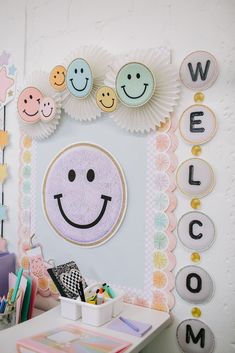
x=66 y=278
x=118 y=325
x=71 y=338
x=26 y=301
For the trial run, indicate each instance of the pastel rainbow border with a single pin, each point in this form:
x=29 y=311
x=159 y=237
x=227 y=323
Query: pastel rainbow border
x=160 y=223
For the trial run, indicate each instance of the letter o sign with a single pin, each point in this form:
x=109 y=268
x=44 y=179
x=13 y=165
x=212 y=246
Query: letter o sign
x=194 y=284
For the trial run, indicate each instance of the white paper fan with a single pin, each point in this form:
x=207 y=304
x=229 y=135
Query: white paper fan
x=158 y=108
x=86 y=109
x=41 y=130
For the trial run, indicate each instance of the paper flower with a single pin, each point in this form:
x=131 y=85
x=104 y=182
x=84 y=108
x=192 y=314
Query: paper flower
x=37 y=127
x=147 y=88
x=86 y=70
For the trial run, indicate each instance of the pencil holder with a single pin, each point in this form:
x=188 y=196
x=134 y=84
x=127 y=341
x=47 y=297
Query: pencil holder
x=70 y=308
x=8 y=319
x=97 y=315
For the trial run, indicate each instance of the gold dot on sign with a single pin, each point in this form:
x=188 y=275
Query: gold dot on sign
x=199 y=97
x=195 y=203
x=195 y=257
x=196 y=150
x=196 y=312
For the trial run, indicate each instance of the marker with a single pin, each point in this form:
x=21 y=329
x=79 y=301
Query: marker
x=100 y=297
x=109 y=290
x=128 y=323
x=81 y=291
x=14 y=294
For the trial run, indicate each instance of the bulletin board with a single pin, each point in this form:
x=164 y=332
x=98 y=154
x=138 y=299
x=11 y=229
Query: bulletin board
x=138 y=258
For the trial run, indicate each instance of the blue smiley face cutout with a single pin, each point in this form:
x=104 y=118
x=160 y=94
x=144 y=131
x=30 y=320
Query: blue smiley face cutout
x=79 y=78
x=135 y=84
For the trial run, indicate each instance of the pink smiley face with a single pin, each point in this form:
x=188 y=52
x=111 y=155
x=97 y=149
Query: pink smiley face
x=84 y=194
x=28 y=104
x=47 y=109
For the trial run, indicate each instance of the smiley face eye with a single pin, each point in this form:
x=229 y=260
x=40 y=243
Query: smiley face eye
x=71 y=175
x=48 y=103
x=54 y=76
x=108 y=94
x=81 y=70
x=44 y=104
x=138 y=75
x=90 y=175
x=25 y=101
x=31 y=97
x=57 y=72
x=129 y=76
x=103 y=94
x=76 y=71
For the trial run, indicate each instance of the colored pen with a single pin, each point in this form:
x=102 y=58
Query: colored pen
x=14 y=294
x=9 y=294
x=128 y=323
x=3 y=304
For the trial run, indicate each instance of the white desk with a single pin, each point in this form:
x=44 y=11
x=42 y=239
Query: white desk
x=52 y=319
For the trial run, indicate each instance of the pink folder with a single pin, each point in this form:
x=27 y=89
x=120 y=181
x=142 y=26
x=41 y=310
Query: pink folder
x=19 y=301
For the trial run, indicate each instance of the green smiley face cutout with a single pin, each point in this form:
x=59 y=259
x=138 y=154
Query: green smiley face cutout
x=134 y=84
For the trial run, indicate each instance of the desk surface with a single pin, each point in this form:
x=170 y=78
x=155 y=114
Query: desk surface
x=52 y=319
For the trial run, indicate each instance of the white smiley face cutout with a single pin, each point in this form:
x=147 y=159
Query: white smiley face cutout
x=84 y=194
x=47 y=109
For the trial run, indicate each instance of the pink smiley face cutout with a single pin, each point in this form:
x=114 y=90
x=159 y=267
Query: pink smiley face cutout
x=47 y=109
x=84 y=194
x=28 y=104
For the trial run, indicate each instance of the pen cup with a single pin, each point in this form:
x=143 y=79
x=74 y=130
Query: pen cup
x=8 y=318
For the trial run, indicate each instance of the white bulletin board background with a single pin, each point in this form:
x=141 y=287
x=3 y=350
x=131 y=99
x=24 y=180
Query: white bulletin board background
x=41 y=33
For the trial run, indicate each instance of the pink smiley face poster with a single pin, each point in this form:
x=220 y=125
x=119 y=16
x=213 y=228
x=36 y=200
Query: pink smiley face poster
x=84 y=194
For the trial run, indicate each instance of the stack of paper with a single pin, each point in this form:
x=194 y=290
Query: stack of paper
x=131 y=327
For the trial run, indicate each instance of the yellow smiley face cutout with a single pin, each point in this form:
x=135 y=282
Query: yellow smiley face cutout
x=106 y=99
x=57 y=78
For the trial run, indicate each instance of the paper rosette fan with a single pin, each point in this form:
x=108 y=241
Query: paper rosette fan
x=153 y=111
x=96 y=61
x=41 y=129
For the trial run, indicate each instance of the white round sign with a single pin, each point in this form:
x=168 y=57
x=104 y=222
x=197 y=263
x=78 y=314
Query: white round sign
x=195 y=177
x=197 y=124
x=196 y=231
x=199 y=70
x=194 y=284
x=194 y=336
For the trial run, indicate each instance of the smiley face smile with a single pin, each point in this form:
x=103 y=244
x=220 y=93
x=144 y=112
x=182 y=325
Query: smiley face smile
x=83 y=226
x=24 y=111
x=60 y=84
x=84 y=194
x=108 y=106
x=136 y=97
x=47 y=116
x=135 y=84
x=79 y=79
x=77 y=89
